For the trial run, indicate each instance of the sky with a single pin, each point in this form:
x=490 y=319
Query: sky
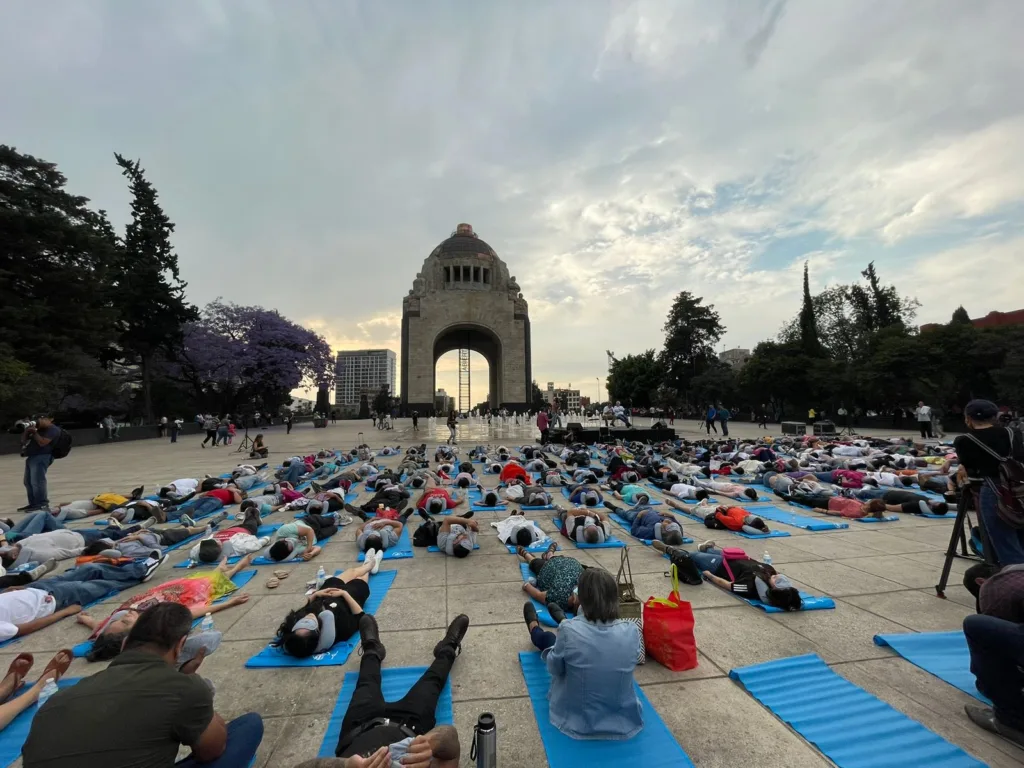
x=312 y=153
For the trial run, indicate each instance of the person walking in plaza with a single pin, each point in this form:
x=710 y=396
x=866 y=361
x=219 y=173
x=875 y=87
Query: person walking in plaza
x=542 y=424
x=452 y=424
x=210 y=426
x=176 y=426
x=924 y=419
x=723 y=419
x=37 y=441
x=709 y=419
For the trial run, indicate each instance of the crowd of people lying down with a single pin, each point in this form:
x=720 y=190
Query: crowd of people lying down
x=152 y=644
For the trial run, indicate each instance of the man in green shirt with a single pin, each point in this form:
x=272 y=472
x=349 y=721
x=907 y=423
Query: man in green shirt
x=83 y=726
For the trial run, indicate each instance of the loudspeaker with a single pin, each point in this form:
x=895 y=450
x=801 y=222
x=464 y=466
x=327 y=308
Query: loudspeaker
x=574 y=425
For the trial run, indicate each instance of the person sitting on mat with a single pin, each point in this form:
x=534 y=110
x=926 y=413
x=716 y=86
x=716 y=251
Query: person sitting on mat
x=143 y=686
x=17 y=672
x=554 y=580
x=681 y=490
x=329 y=614
x=582 y=496
x=259 y=450
x=589 y=528
x=382 y=734
x=456 y=536
x=299 y=538
x=742 y=576
x=591 y=662
x=996 y=647
x=647 y=524
x=632 y=494
x=517 y=530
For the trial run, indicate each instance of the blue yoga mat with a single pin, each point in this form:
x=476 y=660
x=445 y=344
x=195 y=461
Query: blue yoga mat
x=399 y=551
x=240 y=580
x=684 y=501
x=810 y=602
x=846 y=723
x=434 y=548
x=263 y=530
x=13 y=737
x=797 y=521
x=338 y=654
x=700 y=519
x=395 y=682
x=476 y=501
x=626 y=524
x=261 y=560
x=542 y=610
x=943 y=654
x=886 y=519
x=653 y=747
x=610 y=541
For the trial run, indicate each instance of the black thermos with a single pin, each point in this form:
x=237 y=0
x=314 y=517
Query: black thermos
x=485 y=741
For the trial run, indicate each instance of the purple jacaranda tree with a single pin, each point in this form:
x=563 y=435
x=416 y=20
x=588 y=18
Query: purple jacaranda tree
x=236 y=356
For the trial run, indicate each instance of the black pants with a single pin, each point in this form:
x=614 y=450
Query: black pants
x=172 y=536
x=711 y=425
x=323 y=527
x=926 y=428
x=211 y=434
x=415 y=709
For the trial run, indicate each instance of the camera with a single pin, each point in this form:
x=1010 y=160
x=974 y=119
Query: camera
x=23 y=425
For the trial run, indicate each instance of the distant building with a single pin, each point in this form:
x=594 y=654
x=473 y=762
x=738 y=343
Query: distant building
x=570 y=397
x=363 y=371
x=301 y=405
x=737 y=357
x=991 y=320
x=442 y=402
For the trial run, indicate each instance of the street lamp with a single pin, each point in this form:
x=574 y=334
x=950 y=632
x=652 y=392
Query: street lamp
x=598 y=380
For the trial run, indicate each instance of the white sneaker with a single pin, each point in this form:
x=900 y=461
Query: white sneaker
x=377 y=557
x=369 y=555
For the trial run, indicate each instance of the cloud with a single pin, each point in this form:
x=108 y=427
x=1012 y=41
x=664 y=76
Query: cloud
x=312 y=156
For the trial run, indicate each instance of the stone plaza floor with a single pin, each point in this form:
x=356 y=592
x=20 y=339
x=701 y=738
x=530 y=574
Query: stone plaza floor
x=882 y=578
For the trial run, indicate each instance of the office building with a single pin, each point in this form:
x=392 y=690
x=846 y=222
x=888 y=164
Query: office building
x=737 y=357
x=363 y=371
x=568 y=399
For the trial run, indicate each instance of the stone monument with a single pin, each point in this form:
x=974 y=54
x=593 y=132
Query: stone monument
x=464 y=298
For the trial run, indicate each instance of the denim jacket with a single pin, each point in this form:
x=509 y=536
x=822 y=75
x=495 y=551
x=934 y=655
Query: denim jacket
x=592 y=694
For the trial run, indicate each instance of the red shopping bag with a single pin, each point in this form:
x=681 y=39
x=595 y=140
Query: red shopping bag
x=668 y=630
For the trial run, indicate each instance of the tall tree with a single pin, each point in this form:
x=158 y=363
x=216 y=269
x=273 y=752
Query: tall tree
x=634 y=379
x=691 y=332
x=960 y=316
x=537 y=401
x=150 y=291
x=382 y=400
x=808 y=323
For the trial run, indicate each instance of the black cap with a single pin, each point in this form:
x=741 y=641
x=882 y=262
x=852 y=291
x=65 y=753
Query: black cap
x=981 y=410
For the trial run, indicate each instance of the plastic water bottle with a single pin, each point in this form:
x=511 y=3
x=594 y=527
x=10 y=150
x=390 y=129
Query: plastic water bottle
x=321 y=577
x=49 y=689
x=766 y=558
x=206 y=625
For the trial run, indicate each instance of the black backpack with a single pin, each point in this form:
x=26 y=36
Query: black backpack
x=426 y=534
x=685 y=567
x=61 y=444
x=1009 y=487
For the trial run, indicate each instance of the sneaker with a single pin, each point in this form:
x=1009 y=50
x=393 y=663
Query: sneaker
x=217 y=519
x=369 y=637
x=317 y=488
x=27 y=508
x=377 y=557
x=187 y=521
x=369 y=555
x=152 y=564
x=113 y=522
x=530 y=614
x=556 y=612
x=466 y=515
x=453 y=637
x=985 y=717
x=705 y=546
x=41 y=570
x=149 y=522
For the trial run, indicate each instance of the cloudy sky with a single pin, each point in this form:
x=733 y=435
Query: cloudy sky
x=312 y=153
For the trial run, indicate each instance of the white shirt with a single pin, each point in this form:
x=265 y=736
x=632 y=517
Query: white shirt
x=684 y=491
x=22 y=606
x=924 y=413
x=847 y=450
x=618 y=410
x=184 y=486
x=508 y=528
x=58 y=545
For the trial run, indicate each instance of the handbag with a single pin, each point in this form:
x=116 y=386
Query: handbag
x=630 y=607
x=668 y=630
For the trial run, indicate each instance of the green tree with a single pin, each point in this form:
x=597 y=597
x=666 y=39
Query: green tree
x=960 y=316
x=537 y=401
x=634 y=379
x=718 y=384
x=808 y=323
x=382 y=400
x=364 y=408
x=150 y=291
x=691 y=332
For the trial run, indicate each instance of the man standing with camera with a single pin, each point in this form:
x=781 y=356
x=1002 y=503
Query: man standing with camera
x=37 y=441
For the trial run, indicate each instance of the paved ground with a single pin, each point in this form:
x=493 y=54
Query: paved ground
x=881 y=578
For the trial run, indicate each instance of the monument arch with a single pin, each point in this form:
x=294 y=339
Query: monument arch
x=464 y=298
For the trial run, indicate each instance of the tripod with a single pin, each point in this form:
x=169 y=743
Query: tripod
x=958 y=540
x=246 y=444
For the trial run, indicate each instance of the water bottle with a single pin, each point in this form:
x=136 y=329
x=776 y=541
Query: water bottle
x=321 y=577
x=49 y=689
x=206 y=625
x=485 y=742
x=766 y=558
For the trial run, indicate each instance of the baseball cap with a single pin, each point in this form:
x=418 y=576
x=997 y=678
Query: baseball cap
x=982 y=410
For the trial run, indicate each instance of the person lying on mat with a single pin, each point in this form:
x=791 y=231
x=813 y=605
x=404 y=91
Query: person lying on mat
x=513 y=470
x=74 y=728
x=584 y=477
x=735 y=519
x=996 y=647
x=681 y=490
x=591 y=662
x=837 y=506
x=634 y=495
x=236 y=541
x=529 y=496
x=380 y=734
x=554 y=580
x=552 y=478
x=98 y=505
x=381 y=533
x=583 y=496
x=589 y=528
x=732 y=490
x=17 y=672
x=899 y=500
x=649 y=525
x=456 y=536
x=143 y=542
x=299 y=538
x=743 y=576
x=344 y=480
x=198 y=592
x=330 y=614
x=48 y=600
x=517 y=530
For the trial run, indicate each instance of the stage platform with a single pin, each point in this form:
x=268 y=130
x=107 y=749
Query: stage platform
x=594 y=434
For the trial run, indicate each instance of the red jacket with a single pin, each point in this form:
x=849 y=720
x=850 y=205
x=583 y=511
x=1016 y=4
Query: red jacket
x=513 y=470
x=732 y=518
x=430 y=493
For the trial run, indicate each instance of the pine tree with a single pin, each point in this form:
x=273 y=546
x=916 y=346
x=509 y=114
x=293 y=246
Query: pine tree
x=960 y=317
x=150 y=292
x=808 y=325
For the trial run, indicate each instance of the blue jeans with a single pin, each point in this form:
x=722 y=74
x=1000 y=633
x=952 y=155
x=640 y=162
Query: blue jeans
x=1007 y=542
x=89 y=583
x=294 y=472
x=33 y=523
x=35 y=478
x=244 y=736
x=997 y=659
x=196 y=508
x=542 y=638
x=708 y=561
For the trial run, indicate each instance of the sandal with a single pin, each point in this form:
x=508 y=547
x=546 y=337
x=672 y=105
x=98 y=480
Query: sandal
x=59 y=663
x=20 y=666
x=273 y=583
x=282 y=574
